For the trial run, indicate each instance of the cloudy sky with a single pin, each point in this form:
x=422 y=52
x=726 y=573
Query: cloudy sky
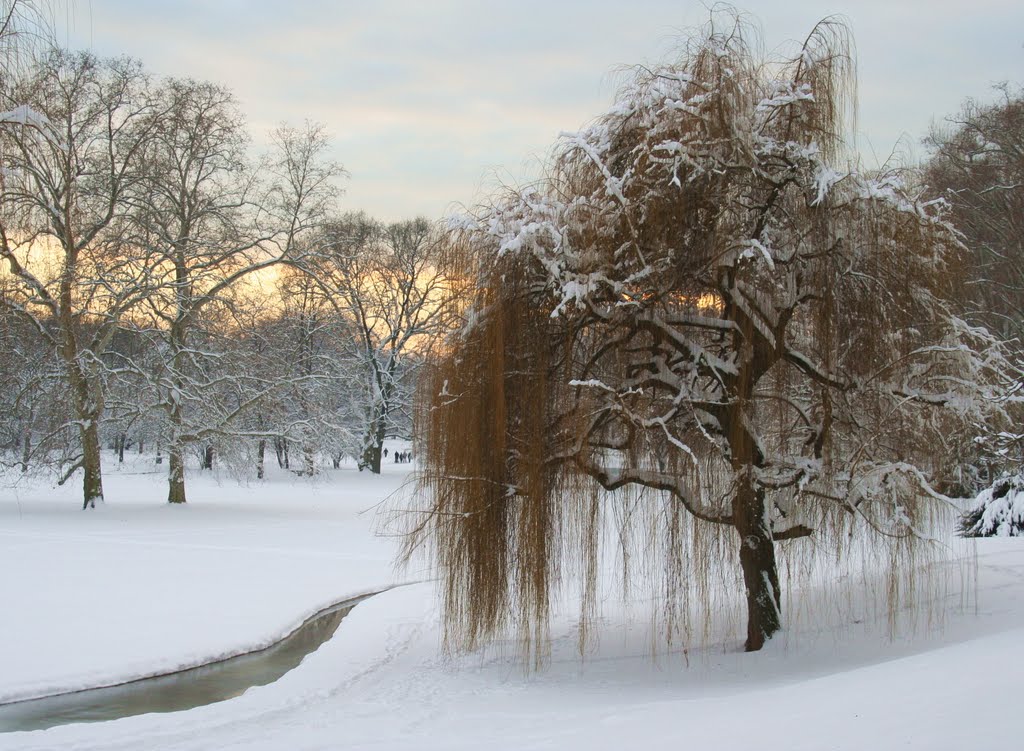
x=432 y=102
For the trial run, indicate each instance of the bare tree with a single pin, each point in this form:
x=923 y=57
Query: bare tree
x=67 y=174
x=388 y=284
x=977 y=165
x=32 y=421
x=211 y=220
x=704 y=314
x=306 y=348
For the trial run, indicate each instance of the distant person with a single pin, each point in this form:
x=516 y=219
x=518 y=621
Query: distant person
x=385 y=453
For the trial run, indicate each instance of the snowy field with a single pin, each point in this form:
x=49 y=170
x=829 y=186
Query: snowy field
x=138 y=587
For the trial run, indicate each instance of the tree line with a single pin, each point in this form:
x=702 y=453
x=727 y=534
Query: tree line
x=161 y=285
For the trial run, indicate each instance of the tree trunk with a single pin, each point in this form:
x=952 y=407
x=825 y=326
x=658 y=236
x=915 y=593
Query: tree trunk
x=175 y=454
x=121 y=440
x=371 y=458
x=175 y=473
x=88 y=408
x=92 y=477
x=261 y=452
x=281 y=447
x=26 y=448
x=760 y=572
x=750 y=517
x=208 y=457
x=375 y=441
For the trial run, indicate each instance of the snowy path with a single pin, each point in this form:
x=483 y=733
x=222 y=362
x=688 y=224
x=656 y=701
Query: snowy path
x=232 y=571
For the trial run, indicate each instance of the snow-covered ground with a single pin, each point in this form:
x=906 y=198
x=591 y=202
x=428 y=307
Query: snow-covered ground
x=139 y=587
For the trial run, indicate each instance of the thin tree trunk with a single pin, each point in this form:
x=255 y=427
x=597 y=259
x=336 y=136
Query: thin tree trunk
x=208 y=457
x=26 y=448
x=261 y=452
x=281 y=448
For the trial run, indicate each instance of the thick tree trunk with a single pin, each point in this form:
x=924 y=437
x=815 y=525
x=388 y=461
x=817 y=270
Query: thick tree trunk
x=371 y=458
x=375 y=441
x=88 y=409
x=177 y=336
x=92 y=477
x=175 y=456
x=175 y=473
x=750 y=516
x=760 y=571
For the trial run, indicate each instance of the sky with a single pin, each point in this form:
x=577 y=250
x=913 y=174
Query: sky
x=432 y=104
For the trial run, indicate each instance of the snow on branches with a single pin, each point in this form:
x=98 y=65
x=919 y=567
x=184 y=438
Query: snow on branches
x=708 y=306
x=998 y=511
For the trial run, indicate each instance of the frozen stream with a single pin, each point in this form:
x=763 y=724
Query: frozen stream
x=181 y=690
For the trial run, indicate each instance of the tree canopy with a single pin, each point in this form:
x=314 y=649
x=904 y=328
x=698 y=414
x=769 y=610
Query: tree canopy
x=977 y=165
x=709 y=333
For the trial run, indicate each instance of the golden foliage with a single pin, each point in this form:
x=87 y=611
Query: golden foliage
x=697 y=339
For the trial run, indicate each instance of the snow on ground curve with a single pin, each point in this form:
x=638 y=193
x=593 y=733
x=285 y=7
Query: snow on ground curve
x=382 y=681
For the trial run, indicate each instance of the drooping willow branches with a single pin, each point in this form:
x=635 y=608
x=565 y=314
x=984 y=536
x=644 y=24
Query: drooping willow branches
x=708 y=333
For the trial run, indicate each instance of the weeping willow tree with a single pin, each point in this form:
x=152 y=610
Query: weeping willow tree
x=700 y=311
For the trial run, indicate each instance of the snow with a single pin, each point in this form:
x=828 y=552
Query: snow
x=753 y=247
x=138 y=587
x=824 y=179
x=999 y=510
x=141 y=587
x=27 y=117
x=24 y=115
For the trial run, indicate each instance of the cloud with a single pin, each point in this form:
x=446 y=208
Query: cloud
x=427 y=99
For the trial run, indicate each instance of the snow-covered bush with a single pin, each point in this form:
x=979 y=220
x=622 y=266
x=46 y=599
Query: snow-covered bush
x=998 y=511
